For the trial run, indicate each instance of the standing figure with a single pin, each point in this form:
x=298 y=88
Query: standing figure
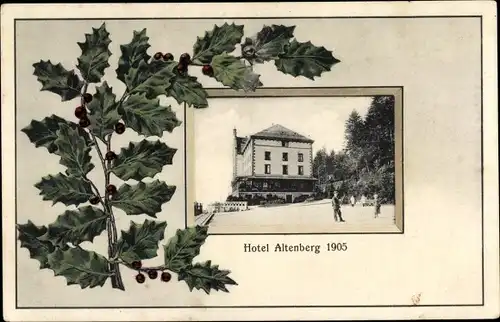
x=363 y=200
x=353 y=201
x=336 y=207
x=376 y=200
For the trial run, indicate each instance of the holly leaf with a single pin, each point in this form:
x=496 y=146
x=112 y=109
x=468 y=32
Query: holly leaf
x=76 y=226
x=232 y=72
x=147 y=117
x=206 y=277
x=79 y=266
x=58 y=80
x=95 y=54
x=44 y=132
x=103 y=111
x=29 y=235
x=219 y=40
x=74 y=152
x=153 y=79
x=305 y=59
x=141 y=241
x=68 y=190
x=143 y=198
x=133 y=53
x=142 y=159
x=186 y=89
x=268 y=44
x=184 y=247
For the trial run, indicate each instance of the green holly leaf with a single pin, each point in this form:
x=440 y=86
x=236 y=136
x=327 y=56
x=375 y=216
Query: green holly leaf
x=184 y=247
x=153 y=79
x=133 y=53
x=232 y=72
x=76 y=226
x=143 y=198
x=206 y=277
x=147 y=117
x=186 y=89
x=219 y=40
x=305 y=59
x=68 y=190
x=29 y=235
x=58 y=80
x=103 y=111
x=95 y=54
x=141 y=160
x=44 y=132
x=79 y=266
x=74 y=152
x=268 y=44
x=141 y=241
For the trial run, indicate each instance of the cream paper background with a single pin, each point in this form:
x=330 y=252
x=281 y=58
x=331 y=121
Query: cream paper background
x=437 y=60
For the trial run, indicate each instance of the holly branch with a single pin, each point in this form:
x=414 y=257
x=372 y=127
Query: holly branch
x=101 y=115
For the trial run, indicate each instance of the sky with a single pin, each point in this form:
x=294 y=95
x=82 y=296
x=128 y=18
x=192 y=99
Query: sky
x=319 y=118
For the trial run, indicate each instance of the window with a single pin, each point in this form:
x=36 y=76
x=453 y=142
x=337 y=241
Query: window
x=284 y=144
x=264 y=185
x=301 y=157
x=267 y=155
x=267 y=169
x=285 y=156
x=301 y=170
x=285 y=169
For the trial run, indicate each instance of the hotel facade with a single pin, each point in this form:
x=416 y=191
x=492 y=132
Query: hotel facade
x=273 y=162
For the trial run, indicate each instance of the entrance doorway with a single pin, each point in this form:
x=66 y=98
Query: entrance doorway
x=288 y=198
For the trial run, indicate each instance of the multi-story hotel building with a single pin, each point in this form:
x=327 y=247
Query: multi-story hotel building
x=276 y=161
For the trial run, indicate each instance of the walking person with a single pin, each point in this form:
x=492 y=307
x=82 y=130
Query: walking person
x=353 y=201
x=376 y=200
x=336 y=207
x=363 y=200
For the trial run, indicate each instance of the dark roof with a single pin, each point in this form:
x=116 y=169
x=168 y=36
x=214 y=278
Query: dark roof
x=280 y=132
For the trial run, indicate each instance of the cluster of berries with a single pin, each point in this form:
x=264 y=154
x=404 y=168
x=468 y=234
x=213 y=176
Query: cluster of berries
x=152 y=273
x=184 y=62
x=81 y=114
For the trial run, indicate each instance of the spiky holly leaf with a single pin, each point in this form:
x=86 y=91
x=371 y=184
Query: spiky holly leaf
x=141 y=241
x=103 y=111
x=184 y=247
x=74 y=152
x=68 y=190
x=206 y=277
x=186 y=89
x=95 y=54
x=219 y=40
x=142 y=159
x=143 y=198
x=58 y=80
x=268 y=44
x=133 y=53
x=44 y=132
x=152 y=79
x=305 y=59
x=76 y=226
x=147 y=117
x=79 y=266
x=232 y=72
x=29 y=235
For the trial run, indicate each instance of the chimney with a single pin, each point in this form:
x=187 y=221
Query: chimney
x=234 y=132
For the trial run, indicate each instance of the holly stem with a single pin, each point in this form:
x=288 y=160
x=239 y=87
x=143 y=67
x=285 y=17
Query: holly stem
x=144 y=269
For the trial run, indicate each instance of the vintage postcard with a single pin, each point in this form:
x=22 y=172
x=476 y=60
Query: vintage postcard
x=250 y=161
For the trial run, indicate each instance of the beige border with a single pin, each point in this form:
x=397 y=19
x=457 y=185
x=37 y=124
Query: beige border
x=308 y=92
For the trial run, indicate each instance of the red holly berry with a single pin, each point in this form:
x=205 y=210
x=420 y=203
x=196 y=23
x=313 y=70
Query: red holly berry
x=207 y=70
x=153 y=274
x=165 y=276
x=119 y=128
x=185 y=58
x=168 y=57
x=94 y=200
x=110 y=156
x=84 y=122
x=87 y=98
x=140 y=278
x=136 y=264
x=158 y=55
x=182 y=68
x=80 y=112
x=111 y=189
